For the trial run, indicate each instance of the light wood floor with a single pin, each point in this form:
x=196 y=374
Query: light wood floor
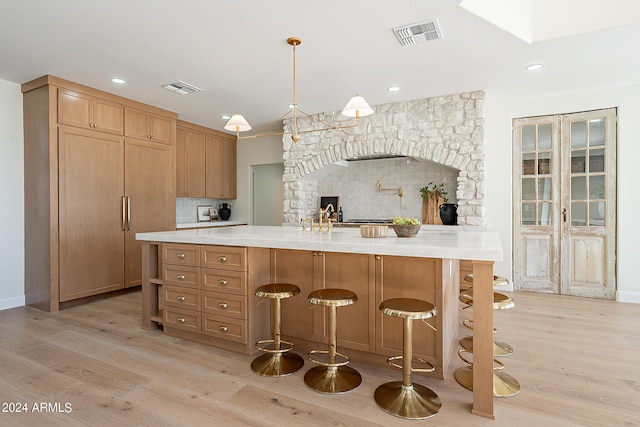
x=577 y=360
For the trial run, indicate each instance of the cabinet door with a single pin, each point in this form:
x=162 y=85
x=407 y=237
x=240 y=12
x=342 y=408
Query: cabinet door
x=150 y=188
x=297 y=268
x=220 y=167
x=91 y=186
x=161 y=129
x=136 y=123
x=108 y=116
x=190 y=163
x=74 y=108
x=355 y=272
x=405 y=277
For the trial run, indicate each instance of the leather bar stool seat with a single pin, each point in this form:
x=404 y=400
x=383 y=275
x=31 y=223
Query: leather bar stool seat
x=405 y=399
x=277 y=360
x=331 y=375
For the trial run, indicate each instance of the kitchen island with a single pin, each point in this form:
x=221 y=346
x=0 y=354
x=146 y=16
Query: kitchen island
x=199 y=285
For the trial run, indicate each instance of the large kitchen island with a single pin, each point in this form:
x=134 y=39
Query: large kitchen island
x=198 y=284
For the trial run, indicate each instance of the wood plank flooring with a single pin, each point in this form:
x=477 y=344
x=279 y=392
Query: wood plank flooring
x=576 y=359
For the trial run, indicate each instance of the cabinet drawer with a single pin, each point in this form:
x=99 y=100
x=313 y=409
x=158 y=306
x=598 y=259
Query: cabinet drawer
x=224 y=328
x=179 y=318
x=228 y=282
x=176 y=296
x=181 y=276
x=181 y=254
x=224 y=257
x=224 y=304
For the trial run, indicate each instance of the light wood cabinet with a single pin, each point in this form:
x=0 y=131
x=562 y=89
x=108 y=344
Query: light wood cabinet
x=206 y=294
x=221 y=177
x=146 y=125
x=312 y=270
x=88 y=190
x=90 y=112
x=190 y=162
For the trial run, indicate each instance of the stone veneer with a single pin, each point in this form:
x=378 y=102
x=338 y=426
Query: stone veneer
x=447 y=129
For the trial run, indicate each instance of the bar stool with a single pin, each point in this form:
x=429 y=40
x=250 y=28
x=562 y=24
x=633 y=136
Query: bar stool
x=277 y=360
x=332 y=376
x=403 y=398
x=504 y=385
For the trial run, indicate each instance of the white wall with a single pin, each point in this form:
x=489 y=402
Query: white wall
x=11 y=196
x=261 y=151
x=501 y=108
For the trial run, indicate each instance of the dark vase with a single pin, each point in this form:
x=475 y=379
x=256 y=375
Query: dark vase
x=449 y=213
x=224 y=211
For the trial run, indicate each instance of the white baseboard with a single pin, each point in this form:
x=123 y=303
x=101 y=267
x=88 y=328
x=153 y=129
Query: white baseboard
x=8 y=303
x=626 y=296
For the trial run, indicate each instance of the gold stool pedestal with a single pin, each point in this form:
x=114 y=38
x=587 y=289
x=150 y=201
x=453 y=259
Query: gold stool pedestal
x=504 y=385
x=413 y=402
x=332 y=379
x=277 y=360
x=500 y=348
x=332 y=376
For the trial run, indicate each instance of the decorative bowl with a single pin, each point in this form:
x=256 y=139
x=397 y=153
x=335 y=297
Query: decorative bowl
x=406 y=230
x=374 y=230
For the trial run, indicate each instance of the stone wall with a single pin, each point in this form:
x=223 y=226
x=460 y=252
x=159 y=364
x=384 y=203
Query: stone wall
x=447 y=129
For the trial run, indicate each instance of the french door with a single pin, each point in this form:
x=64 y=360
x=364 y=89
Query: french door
x=564 y=183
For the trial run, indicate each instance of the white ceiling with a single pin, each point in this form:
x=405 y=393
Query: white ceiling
x=237 y=52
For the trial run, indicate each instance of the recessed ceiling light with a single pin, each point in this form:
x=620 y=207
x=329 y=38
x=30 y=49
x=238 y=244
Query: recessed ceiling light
x=225 y=116
x=118 y=81
x=393 y=88
x=534 y=67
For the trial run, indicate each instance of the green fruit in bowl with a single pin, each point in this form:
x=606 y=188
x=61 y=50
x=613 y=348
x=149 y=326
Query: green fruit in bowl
x=405 y=221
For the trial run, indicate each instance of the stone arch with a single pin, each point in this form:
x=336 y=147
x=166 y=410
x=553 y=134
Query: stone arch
x=446 y=130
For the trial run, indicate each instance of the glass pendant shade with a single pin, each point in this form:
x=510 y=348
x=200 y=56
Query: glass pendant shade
x=357 y=107
x=237 y=123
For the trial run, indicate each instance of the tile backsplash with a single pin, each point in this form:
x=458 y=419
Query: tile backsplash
x=360 y=198
x=186 y=212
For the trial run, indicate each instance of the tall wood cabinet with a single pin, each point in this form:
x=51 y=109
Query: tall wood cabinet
x=205 y=162
x=88 y=189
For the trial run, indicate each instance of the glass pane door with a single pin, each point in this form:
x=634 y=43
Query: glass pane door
x=536 y=182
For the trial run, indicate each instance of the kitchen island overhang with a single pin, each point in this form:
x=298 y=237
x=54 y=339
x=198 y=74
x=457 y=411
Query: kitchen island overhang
x=259 y=244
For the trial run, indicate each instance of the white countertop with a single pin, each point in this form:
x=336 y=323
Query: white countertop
x=455 y=244
x=209 y=224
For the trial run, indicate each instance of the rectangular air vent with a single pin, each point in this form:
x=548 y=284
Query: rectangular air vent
x=182 y=88
x=418 y=32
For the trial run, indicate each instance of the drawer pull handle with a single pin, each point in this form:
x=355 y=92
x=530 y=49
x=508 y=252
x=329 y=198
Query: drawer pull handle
x=223 y=328
x=181 y=298
x=222 y=282
x=222 y=258
x=180 y=276
x=180 y=255
x=223 y=305
x=181 y=320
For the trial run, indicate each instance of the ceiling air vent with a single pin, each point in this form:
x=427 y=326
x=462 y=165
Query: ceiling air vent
x=418 y=33
x=182 y=88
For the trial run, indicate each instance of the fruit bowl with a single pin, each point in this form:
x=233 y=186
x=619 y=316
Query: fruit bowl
x=406 y=230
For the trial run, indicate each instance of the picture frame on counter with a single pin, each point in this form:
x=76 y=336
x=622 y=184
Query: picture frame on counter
x=213 y=214
x=204 y=213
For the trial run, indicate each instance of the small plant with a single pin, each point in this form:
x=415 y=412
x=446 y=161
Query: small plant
x=405 y=221
x=432 y=188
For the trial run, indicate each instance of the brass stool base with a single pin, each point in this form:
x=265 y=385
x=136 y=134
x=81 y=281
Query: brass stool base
x=504 y=385
x=414 y=402
x=500 y=348
x=332 y=380
x=277 y=364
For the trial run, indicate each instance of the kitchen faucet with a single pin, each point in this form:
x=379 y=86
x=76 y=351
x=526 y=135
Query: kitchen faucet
x=321 y=214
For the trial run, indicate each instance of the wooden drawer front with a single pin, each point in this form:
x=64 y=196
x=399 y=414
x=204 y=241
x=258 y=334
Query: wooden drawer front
x=228 y=282
x=224 y=304
x=224 y=257
x=224 y=328
x=181 y=276
x=181 y=254
x=180 y=318
x=176 y=296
